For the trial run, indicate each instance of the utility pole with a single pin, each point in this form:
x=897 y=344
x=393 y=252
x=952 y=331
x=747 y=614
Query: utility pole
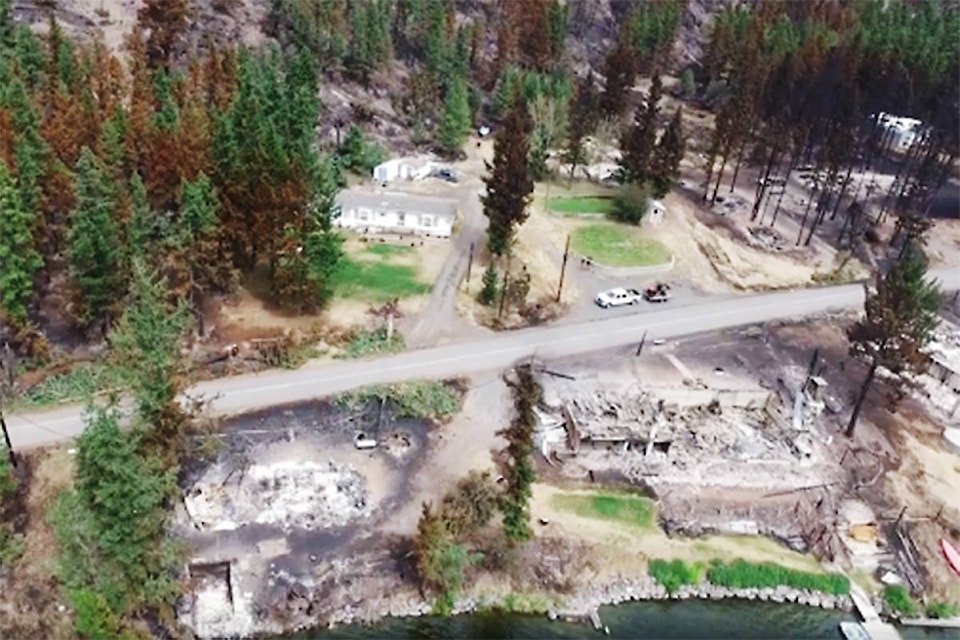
x=469 y=266
x=503 y=287
x=640 y=346
x=813 y=362
x=6 y=434
x=563 y=267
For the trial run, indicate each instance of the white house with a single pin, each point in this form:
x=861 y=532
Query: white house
x=379 y=212
x=402 y=169
x=899 y=133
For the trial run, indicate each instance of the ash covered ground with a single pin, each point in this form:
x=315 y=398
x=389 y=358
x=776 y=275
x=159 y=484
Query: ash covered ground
x=287 y=493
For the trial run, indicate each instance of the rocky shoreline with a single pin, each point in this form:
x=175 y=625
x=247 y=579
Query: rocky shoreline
x=583 y=605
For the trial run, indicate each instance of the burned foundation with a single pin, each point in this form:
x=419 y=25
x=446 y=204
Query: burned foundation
x=664 y=436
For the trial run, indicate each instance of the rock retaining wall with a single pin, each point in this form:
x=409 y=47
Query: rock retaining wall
x=586 y=600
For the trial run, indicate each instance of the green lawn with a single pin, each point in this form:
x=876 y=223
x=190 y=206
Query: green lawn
x=616 y=246
x=583 y=204
x=387 y=250
x=377 y=281
x=618 y=507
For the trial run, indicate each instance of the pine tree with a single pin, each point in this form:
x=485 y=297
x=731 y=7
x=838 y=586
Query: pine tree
x=507 y=90
x=619 y=71
x=93 y=243
x=583 y=118
x=638 y=143
x=146 y=347
x=313 y=250
x=667 y=156
x=456 y=118
x=19 y=259
x=900 y=317
x=508 y=180
x=166 y=21
x=488 y=293
x=520 y=472
x=7 y=26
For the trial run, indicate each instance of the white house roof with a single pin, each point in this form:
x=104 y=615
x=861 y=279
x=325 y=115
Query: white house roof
x=351 y=198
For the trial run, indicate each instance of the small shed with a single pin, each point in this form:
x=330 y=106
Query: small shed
x=655 y=212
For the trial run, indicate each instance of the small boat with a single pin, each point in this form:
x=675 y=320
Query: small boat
x=951 y=554
x=854 y=631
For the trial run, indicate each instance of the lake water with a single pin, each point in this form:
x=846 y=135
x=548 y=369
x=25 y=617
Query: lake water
x=670 y=620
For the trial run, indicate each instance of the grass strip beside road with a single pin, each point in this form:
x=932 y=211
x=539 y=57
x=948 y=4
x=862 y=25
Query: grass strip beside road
x=618 y=246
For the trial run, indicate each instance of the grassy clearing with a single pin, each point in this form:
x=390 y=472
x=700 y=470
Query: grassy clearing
x=675 y=573
x=741 y=574
x=422 y=399
x=616 y=246
x=80 y=382
x=377 y=282
x=584 y=204
x=625 y=508
x=388 y=250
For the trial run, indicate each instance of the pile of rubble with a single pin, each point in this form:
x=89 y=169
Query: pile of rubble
x=713 y=437
x=287 y=494
x=767 y=238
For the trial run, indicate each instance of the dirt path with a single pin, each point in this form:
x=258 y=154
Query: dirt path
x=437 y=319
x=465 y=444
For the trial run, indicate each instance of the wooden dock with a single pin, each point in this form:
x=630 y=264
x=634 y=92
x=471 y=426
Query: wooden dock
x=874 y=626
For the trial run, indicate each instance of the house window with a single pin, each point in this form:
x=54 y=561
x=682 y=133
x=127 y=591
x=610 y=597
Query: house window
x=381 y=214
x=401 y=218
x=426 y=221
x=364 y=214
x=348 y=214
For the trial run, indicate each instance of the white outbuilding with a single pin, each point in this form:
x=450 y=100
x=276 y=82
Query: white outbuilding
x=402 y=169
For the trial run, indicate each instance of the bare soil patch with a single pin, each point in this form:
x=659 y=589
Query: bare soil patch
x=31 y=606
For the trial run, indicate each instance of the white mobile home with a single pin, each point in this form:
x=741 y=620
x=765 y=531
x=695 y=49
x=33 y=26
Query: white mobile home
x=899 y=133
x=378 y=212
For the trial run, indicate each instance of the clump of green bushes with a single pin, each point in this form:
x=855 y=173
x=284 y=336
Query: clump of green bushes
x=941 y=610
x=741 y=574
x=899 y=601
x=673 y=574
x=430 y=399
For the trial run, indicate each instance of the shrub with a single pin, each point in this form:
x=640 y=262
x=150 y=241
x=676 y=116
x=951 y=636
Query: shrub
x=674 y=574
x=899 y=601
x=366 y=343
x=630 y=203
x=422 y=399
x=940 y=610
x=8 y=481
x=94 y=618
x=11 y=546
x=471 y=505
x=488 y=294
x=741 y=574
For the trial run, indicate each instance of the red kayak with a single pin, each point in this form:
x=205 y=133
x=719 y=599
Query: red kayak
x=951 y=554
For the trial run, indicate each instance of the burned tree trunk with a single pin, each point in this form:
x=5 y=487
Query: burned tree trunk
x=864 y=389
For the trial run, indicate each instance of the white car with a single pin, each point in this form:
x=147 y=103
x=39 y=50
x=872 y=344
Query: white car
x=617 y=298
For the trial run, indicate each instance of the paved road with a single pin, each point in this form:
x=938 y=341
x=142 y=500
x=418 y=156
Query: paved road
x=238 y=394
